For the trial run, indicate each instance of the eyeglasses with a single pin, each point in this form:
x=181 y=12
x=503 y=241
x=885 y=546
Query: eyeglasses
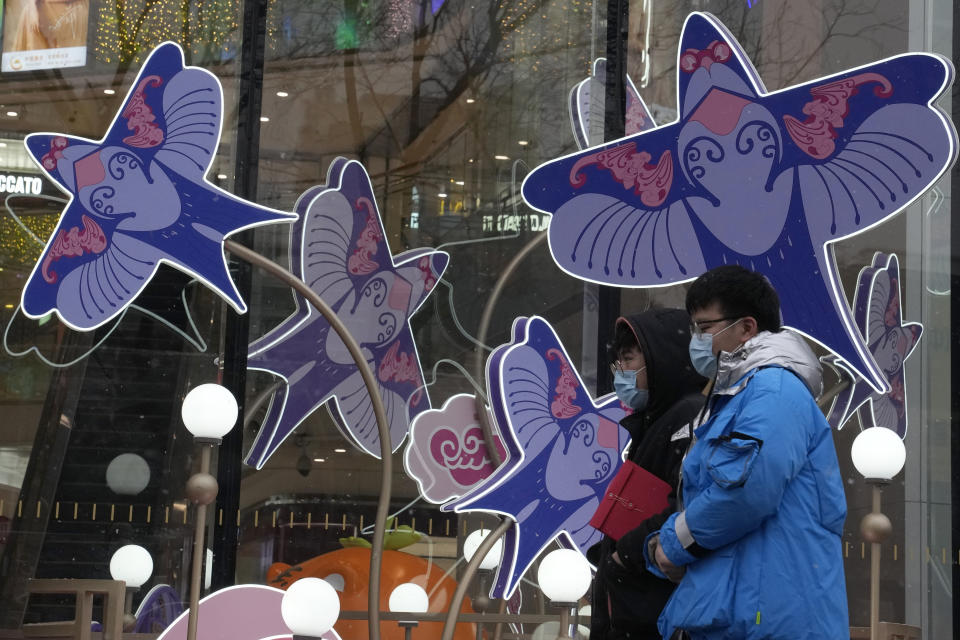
x=618 y=367
x=699 y=327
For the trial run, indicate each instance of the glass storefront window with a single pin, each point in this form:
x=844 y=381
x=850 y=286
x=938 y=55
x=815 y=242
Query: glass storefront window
x=448 y=105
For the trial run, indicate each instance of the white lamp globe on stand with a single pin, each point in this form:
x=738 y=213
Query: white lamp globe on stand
x=310 y=607
x=878 y=454
x=209 y=412
x=408 y=598
x=472 y=542
x=481 y=602
x=133 y=565
x=564 y=577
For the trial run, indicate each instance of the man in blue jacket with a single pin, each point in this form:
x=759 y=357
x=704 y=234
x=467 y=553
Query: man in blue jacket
x=756 y=543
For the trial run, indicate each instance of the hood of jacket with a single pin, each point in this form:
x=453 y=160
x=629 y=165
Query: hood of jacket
x=782 y=349
x=664 y=339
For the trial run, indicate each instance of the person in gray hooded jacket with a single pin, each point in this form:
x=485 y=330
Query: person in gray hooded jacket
x=756 y=543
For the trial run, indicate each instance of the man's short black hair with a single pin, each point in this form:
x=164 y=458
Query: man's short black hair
x=739 y=292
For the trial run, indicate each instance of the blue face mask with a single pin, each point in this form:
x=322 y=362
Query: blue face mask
x=701 y=352
x=701 y=355
x=625 y=384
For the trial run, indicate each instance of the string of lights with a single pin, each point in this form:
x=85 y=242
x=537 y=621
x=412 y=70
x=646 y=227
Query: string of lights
x=127 y=30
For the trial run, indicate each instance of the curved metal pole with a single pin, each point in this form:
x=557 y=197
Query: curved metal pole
x=831 y=393
x=258 y=402
x=482 y=339
x=451 y=622
x=383 y=502
x=498 y=627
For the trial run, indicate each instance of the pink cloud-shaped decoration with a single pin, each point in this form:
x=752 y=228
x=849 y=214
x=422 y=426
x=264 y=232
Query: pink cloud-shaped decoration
x=446 y=453
x=241 y=612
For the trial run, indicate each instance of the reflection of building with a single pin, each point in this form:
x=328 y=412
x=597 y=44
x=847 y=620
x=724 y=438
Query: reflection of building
x=434 y=98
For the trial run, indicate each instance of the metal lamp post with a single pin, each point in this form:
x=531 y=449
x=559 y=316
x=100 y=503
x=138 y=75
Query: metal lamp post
x=481 y=602
x=209 y=412
x=878 y=454
x=564 y=577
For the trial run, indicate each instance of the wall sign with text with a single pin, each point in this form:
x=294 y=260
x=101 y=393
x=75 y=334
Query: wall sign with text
x=44 y=34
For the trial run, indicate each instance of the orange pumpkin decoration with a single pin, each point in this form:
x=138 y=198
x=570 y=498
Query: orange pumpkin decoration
x=352 y=565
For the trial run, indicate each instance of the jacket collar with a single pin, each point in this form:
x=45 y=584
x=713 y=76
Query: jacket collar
x=782 y=349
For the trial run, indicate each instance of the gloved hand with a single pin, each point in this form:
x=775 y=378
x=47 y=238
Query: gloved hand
x=672 y=571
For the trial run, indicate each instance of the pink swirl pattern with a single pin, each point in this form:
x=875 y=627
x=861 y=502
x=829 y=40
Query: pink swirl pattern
x=636 y=117
x=891 y=315
x=566 y=388
x=429 y=277
x=463 y=455
x=716 y=51
x=401 y=367
x=140 y=117
x=825 y=113
x=57 y=145
x=631 y=169
x=359 y=263
x=72 y=244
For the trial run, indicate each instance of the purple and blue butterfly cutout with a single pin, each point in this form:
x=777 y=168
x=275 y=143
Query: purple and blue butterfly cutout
x=768 y=180
x=563 y=448
x=338 y=248
x=879 y=316
x=139 y=197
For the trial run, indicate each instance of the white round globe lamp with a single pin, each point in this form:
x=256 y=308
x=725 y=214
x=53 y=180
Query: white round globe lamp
x=472 y=542
x=481 y=601
x=310 y=607
x=132 y=564
x=408 y=598
x=878 y=454
x=551 y=631
x=564 y=575
x=209 y=411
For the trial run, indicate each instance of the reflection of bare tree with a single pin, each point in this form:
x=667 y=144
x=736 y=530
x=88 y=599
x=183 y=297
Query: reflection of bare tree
x=396 y=75
x=388 y=81
x=788 y=42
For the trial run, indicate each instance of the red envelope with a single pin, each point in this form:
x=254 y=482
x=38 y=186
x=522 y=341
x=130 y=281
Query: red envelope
x=633 y=495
